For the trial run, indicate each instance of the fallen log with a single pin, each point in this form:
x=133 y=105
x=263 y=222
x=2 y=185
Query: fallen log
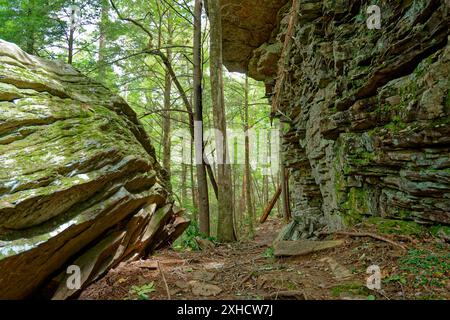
x=270 y=206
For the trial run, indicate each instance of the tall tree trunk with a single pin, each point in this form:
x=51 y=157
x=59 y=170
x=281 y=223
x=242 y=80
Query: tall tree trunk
x=276 y=183
x=266 y=171
x=167 y=129
x=235 y=218
x=102 y=40
x=202 y=184
x=31 y=39
x=194 y=191
x=184 y=169
x=247 y=168
x=183 y=183
x=225 y=231
x=71 y=41
x=167 y=106
x=256 y=193
x=243 y=201
x=184 y=165
x=270 y=170
x=283 y=181
x=71 y=37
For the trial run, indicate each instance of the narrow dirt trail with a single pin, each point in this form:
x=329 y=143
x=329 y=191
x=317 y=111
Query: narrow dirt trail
x=248 y=270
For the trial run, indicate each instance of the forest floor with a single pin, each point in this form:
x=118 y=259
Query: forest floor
x=249 y=270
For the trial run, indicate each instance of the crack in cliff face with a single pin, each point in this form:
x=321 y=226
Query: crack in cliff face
x=369 y=112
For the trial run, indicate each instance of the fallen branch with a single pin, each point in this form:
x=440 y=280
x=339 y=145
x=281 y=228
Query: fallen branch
x=366 y=234
x=270 y=206
x=165 y=282
x=248 y=277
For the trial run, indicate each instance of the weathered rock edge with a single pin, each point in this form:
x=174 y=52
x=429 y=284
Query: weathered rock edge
x=79 y=182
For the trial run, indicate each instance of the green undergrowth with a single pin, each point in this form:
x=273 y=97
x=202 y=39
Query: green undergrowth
x=355 y=289
x=425 y=268
x=440 y=231
x=401 y=227
x=187 y=240
x=142 y=292
x=408 y=228
x=269 y=253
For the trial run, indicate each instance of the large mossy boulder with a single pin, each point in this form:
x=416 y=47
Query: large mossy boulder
x=79 y=182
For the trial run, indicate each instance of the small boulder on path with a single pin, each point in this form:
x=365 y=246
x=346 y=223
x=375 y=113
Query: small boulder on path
x=204 y=289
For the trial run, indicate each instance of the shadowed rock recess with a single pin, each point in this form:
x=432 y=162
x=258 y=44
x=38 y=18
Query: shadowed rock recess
x=79 y=183
x=367 y=112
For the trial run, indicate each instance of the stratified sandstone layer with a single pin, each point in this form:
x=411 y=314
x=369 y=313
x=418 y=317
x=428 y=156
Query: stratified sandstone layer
x=79 y=183
x=367 y=112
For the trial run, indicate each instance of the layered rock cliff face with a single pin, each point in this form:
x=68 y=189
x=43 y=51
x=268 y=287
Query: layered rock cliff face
x=367 y=111
x=79 y=183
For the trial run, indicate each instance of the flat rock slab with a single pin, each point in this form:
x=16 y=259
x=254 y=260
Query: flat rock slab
x=303 y=247
x=340 y=272
x=204 y=289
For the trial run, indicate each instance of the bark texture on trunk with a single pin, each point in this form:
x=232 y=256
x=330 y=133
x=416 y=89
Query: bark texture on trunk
x=247 y=168
x=167 y=125
x=202 y=185
x=102 y=40
x=225 y=232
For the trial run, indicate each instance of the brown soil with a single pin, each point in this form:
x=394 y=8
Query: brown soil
x=248 y=270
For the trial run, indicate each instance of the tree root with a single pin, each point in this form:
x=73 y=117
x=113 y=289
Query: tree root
x=366 y=234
